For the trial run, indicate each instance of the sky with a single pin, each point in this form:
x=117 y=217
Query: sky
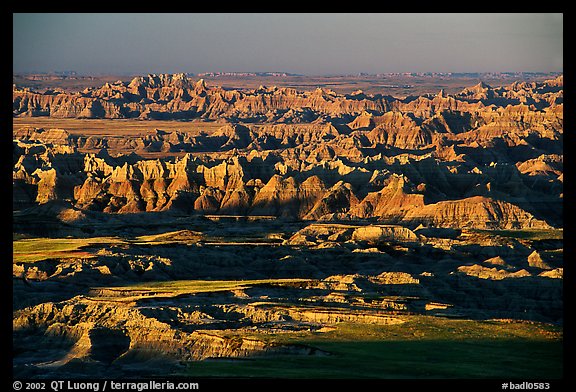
x=308 y=44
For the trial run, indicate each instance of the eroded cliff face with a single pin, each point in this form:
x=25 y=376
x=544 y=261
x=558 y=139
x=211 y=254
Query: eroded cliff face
x=134 y=305
x=486 y=157
x=175 y=97
x=236 y=186
x=296 y=213
x=109 y=331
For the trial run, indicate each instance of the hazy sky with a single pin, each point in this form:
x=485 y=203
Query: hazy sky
x=311 y=44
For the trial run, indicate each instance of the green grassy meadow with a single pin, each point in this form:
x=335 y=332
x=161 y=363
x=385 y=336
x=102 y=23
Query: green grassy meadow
x=423 y=347
x=36 y=249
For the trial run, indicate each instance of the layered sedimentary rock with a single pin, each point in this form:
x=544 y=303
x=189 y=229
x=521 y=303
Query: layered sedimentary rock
x=175 y=96
x=294 y=213
x=488 y=157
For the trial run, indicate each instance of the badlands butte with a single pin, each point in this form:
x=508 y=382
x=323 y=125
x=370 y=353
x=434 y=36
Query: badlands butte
x=162 y=226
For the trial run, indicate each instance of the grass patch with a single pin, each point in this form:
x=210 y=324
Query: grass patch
x=196 y=286
x=423 y=347
x=175 y=288
x=171 y=237
x=36 y=249
x=114 y=128
x=403 y=360
x=528 y=234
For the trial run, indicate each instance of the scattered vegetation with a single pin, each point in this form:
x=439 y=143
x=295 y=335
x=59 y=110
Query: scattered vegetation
x=36 y=249
x=528 y=234
x=423 y=347
x=171 y=237
x=182 y=287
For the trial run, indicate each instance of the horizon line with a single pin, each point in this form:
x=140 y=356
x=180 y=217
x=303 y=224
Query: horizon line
x=263 y=73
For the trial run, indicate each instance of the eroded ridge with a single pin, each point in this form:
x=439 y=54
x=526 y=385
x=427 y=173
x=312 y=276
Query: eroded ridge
x=279 y=222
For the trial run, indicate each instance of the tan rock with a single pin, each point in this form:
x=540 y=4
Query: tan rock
x=535 y=261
